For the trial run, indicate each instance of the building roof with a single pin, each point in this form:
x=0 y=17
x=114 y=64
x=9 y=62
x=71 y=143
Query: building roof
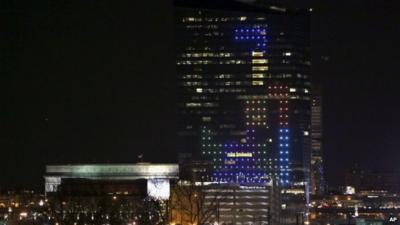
x=114 y=171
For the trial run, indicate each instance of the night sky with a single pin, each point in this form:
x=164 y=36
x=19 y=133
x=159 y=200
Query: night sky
x=93 y=82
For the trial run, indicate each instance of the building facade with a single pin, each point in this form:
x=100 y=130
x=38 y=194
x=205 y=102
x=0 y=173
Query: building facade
x=142 y=179
x=244 y=96
x=317 y=162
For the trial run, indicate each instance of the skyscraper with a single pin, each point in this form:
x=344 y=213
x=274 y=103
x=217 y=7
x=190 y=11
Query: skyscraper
x=317 y=169
x=244 y=95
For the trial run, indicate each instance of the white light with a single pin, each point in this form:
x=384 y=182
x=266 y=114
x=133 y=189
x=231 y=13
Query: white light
x=199 y=90
x=287 y=53
x=158 y=188
x=350 y=190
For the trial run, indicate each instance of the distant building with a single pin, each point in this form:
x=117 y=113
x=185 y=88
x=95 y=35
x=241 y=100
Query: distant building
x=317 y=162
x=207 y=203
x=361 y=208
x=367 y=180
x=126 y=179
x=109 y=193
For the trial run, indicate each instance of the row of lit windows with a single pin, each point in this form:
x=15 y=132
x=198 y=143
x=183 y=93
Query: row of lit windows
x=240 y=159
x=192 y=76
x=209 y=34
x=199 y=26
x=219 y=19
x=255 y=102
x=259 y=68
x=194 y=83
x=207 y=62
x=235 y=145
x=198 y=104
x=256 y=116
x=208 y=54
x=241 y=167
x=256 y=124
x=220 y=90
x=227 y=83
x=256 y=109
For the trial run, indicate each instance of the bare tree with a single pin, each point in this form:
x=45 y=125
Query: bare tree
x=195 y=203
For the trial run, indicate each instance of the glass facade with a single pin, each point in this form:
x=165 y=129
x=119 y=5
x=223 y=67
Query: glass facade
x=244 y=96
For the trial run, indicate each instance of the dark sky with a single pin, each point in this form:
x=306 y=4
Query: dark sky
x=93 y=81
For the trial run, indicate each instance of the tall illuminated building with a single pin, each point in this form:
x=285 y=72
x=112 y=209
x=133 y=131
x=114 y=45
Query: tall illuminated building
x=244 y=95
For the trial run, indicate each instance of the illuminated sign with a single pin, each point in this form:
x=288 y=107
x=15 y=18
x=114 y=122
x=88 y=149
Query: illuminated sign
x=239 y=154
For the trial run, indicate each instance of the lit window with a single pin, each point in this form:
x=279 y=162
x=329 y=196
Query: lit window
x=258 y=75
x=257 y=53
x=257 y=83
x=292 y=89
x=199 y=90
x=287 y=54
x=206 y=119
x=259 y=61
x=260 y=68
x=193 y=104
x=242 y=18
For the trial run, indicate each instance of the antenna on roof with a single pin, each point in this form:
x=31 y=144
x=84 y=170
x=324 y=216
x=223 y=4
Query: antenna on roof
x=140 y=157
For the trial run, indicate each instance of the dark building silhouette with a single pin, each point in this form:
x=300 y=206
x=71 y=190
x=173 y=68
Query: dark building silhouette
x=317 y=162
x=370 y=180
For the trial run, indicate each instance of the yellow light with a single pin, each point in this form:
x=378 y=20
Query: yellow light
x=258 y=75
x=257 y=82
x=257 y=53
x=239 y=154
x=260 y=68
x=259 y=61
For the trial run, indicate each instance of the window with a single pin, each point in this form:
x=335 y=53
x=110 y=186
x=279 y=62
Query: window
x=257 y=53
x=257 y=83
x=259 y=61
x=260 y=68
